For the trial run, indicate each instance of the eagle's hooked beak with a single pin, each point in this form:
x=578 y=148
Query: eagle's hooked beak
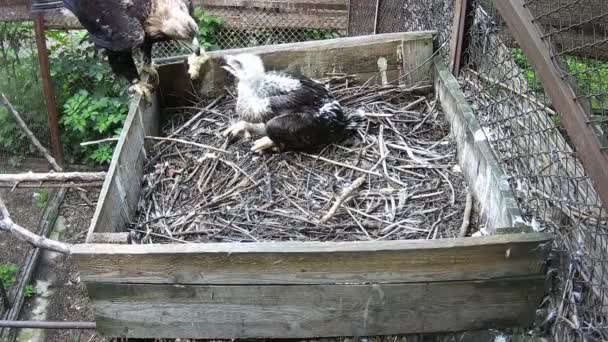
x=227 y=65
x=196 y=47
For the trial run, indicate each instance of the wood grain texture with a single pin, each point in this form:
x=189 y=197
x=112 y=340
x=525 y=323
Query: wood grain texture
x=352 y=55
x=119 y=194
x=314 y=262
x=484 y=175
x=301 y=311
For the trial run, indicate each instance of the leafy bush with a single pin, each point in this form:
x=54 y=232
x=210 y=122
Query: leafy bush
x=91 y=117
x=29 y=291
x=8 y=274
x=93 y=100
x=209 y=26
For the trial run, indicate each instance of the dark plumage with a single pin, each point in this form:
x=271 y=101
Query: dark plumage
x=290 y=110
x=119 y=26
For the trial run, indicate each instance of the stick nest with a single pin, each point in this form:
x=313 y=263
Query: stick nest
x=396 y=179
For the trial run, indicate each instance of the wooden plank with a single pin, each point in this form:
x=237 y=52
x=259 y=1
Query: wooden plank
x=417 y=63
x=352 y=55
x=490 y=185
x=303 y=311
x=119 y=194
x=111 y=238
x=314 y=262
x=575 y=118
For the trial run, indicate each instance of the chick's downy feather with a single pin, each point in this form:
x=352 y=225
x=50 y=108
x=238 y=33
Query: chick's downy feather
x=297 y=111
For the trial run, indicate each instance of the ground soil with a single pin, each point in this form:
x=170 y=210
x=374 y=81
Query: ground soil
x=70 y=301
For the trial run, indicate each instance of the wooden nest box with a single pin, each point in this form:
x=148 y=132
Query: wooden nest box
x=314 y=289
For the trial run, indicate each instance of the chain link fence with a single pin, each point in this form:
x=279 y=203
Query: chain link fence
x=553 y=189
x=577 y=32
x=20 y=82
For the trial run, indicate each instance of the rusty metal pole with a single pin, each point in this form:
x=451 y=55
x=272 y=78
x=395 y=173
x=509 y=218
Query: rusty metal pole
x=49 y=93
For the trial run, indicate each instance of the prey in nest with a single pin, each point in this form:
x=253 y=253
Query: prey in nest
x=395 y=178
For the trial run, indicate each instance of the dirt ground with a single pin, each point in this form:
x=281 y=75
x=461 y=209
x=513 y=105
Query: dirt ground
x=70 y=301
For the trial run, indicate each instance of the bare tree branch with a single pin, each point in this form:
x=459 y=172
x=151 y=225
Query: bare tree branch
x=8 y=225
x=37 y=143
x=29 y=133
x=53 y=177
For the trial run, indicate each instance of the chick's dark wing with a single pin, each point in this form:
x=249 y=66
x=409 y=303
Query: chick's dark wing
x=307 y=97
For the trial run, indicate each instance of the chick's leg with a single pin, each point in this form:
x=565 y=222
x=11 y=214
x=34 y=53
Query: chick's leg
x=245 y=128
x=263 y=144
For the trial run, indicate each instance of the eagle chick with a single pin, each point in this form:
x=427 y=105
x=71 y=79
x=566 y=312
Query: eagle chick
x=120 y=26
x=288 y=110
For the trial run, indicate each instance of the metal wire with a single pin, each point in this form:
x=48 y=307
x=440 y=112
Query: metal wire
x=21 y=83
x=554 y=191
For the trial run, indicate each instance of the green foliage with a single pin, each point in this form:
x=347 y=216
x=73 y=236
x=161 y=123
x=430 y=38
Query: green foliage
x=93 y=99
x=88 y=117
x=29 y=291
x=8 y=274
x=42 y=199
x=522 y=61
x=208 y=28
x=590 y=76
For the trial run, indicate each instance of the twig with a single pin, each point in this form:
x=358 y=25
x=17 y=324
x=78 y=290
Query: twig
x=8 y=225
x=47 y=185
x=97 y=142
x=346 y=193
x=466 y=219
x=29 y=133
x=181 y=141
x=343 y=165
x=37 y=143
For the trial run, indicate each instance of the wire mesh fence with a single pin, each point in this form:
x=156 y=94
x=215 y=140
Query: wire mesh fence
x=553 y=189
x=22 y=86
x=577 y=32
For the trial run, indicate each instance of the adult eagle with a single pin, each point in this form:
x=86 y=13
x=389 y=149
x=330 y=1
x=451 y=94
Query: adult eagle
x=120 y=26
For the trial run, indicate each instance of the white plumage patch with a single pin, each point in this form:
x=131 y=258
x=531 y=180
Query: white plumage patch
x=274 y=80
x=330 y=109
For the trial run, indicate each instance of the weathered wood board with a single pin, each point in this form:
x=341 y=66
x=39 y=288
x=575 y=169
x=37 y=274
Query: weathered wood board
x=484 y=175
x=120 y=191
x=399 y=54
x=314 y=262
x=300 y=311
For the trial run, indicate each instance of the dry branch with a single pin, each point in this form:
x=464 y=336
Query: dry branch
x=53 y=177
x=466 y=219
x=192 y=195
x=37 y=143
x=30 y=135
x=51 y=185
x=8 y=225
x=343 y=197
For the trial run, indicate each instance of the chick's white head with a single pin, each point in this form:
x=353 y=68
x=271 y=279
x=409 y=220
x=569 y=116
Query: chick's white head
x=245 y=67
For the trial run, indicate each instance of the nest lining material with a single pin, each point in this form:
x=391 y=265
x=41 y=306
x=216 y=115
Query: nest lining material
x=396 y=179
